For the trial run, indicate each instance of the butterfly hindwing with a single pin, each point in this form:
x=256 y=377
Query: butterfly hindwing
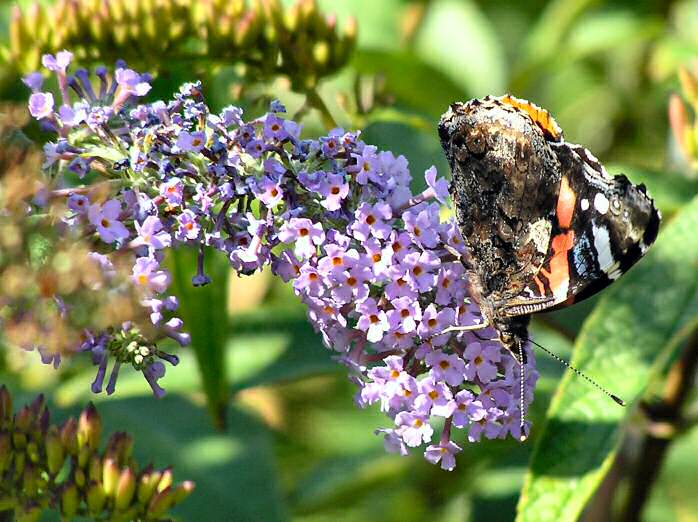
x=603 y=225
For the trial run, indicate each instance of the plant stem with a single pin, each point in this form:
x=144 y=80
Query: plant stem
x=664 y=419
x=315 y=101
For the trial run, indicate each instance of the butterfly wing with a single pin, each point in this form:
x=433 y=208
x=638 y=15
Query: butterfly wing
x=603 y=225
x=544 y=222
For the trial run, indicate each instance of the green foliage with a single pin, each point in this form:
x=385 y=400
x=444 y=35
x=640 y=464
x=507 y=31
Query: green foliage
x=203 y=310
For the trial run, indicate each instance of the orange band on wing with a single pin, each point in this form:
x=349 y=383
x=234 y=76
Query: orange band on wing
x=559 y=275
x=565 y=204
x=541 y=286
x=540 y=116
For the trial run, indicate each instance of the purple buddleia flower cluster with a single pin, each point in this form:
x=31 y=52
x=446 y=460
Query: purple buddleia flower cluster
x=335 y=217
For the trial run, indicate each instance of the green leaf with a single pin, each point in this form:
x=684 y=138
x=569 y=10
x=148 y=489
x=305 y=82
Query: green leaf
x=674 y=495
x=273 y=345
x=556 y=20
x=457 y=39
x=405 y=70
x=638 y=324
x=108 y=153
x=203 y=310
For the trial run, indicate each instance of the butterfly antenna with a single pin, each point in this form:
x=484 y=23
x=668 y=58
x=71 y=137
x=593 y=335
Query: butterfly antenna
x=580 y=373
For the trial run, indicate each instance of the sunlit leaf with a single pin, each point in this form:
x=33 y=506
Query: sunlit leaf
x=203 y=310
x=457 y=39
x=406 y=77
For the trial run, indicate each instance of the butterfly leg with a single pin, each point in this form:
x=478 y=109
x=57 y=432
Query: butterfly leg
x=522 y=380
x=463 y=259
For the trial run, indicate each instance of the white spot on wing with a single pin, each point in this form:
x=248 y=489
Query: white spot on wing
x=601 y=203
x=584 y=204
x=602 y=245
x=539 y=233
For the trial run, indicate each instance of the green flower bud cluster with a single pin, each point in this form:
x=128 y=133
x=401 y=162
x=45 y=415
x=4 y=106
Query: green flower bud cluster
x=44 y=466
x=683 y=117
x=268 y=39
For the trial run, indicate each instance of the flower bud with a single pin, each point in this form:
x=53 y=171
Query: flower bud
x=125 y=489
x=20 y=40
x=110 y=476
x=5 y=451
x=321 y=54
x=96 y=498
x=32 y=451
x=166 y=479
x=160 y=503
x=89 y=427
x=30 y=478
x=678 y=118
x=351 y=30
x=70 y=501
x=38 y=407
x=689 y=86
x=5 y=407
x=182 y=491
x=94 y=468
x=147 y=485
x=292 y=18
x=55 y=452
x=84 y=457
x=120 y=446
x=19 y=440
x=24 y=419
x=69 y=436
x=19 y=462
x=80 y=477
x=247 y=30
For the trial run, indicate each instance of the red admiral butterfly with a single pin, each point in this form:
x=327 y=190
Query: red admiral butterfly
x=544 y=223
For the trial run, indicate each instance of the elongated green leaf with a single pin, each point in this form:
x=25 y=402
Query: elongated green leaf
x=458 y=39
x=273 y=345
x=638 y=323
x=203 y=310
x=403 y=71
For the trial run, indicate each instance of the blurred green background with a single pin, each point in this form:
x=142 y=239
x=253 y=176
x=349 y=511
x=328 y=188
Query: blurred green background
x=294 y=446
